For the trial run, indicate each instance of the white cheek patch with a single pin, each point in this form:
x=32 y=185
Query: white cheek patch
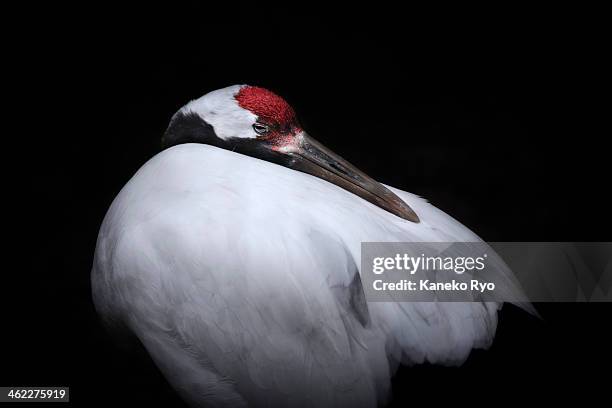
x=222 y=112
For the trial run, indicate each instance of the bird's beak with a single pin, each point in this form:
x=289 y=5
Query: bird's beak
x=310 y=156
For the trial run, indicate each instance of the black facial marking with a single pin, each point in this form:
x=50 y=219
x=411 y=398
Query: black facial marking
x=189 y=127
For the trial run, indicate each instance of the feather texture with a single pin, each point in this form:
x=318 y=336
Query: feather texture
x=241 y=278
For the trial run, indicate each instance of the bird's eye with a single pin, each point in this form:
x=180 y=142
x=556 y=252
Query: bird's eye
x=260 y=128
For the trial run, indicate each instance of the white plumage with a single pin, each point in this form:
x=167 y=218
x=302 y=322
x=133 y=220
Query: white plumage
x=239 y=277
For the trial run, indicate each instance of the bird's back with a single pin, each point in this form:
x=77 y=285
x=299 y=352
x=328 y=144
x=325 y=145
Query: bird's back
x=241 y=278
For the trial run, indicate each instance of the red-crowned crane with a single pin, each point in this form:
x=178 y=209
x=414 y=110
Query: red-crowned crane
x=240 y=275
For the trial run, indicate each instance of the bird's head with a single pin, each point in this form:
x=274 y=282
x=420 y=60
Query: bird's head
x=258 y=123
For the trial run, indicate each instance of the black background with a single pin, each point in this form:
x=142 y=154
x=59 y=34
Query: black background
x=490 y=114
